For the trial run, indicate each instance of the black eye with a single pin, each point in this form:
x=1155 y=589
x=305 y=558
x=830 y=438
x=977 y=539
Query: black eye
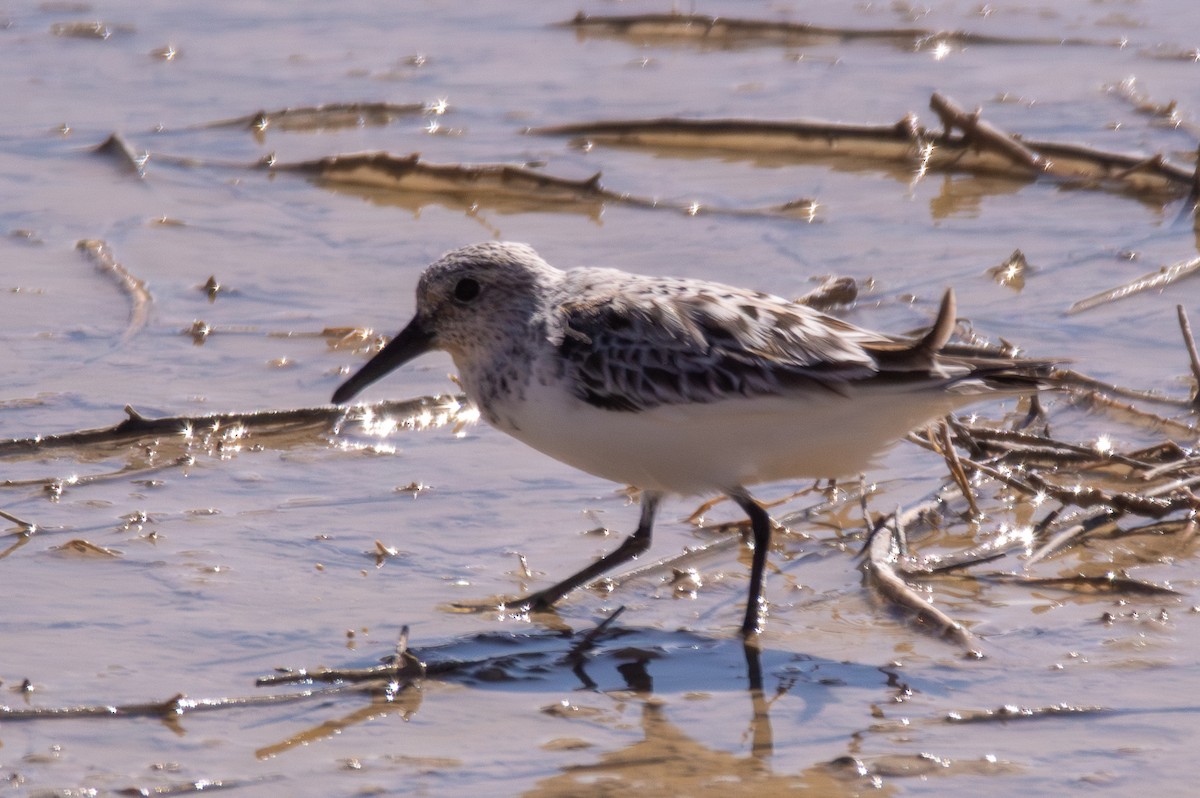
x=466 y=290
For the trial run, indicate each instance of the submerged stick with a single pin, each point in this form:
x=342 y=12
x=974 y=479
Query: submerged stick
x=325 y=116
x=56 y=486
x=985 y=135
x=172 y=708
x=901 y=140
x=1074 y=379
x=998 y=547
x=27 y=527
x=1013 y=712
x=139 y=312
x=729 y=31
x=1189 y=341
x=980 y=147
x=118 y=148
x=1159 y=279
x=494 y=183
x=404 y=668
x=1099 y=399
x=1101 y=519
x=955 y=465
x=423 y=412
x=883 y=552
x=1108 y=583
x=497 y=184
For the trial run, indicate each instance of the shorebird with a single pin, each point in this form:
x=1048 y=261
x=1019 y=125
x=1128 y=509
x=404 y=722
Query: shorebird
x=680 y=386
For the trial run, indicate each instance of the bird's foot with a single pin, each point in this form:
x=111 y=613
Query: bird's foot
x=534 y=602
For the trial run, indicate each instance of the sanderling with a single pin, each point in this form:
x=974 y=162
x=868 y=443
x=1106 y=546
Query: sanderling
x=680 y=386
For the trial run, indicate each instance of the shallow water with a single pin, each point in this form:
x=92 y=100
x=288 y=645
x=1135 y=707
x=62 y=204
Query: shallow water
x=261 y=551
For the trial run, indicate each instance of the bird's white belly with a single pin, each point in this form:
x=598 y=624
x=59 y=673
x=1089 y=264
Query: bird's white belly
x=698 y=448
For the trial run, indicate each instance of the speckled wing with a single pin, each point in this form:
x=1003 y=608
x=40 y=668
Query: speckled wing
x=633 y=344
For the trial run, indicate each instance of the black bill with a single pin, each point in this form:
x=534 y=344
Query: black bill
x=413 y=340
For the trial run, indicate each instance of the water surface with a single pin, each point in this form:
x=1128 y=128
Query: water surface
x=261 y=553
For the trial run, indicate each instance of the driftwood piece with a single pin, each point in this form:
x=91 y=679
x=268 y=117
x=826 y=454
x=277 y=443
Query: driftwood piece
x=733 y=31
x=1010 y=712
x=752 y=137
x=326 y=116
x=402 y=666
x=883 y=553
x=170 y=709
x=423 y=412
x=515 y=187
x=401 y=670
x=983 y=135
x=1100 y=519
x=1165 y=115
x=117 y=148
x=977 y=146
x=1162 y=278
x=1189 y=341
x=1101 y=400
x=495 y=184
x=1109 y=583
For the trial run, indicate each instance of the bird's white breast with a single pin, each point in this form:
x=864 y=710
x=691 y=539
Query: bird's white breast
x=699 y=448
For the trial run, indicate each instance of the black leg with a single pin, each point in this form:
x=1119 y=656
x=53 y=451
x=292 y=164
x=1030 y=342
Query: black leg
x=631 y=547
x=760 y=526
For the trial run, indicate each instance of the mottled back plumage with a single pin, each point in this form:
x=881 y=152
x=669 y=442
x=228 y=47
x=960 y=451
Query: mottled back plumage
x=632 y=343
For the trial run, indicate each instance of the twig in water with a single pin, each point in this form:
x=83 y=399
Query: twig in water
x=118 y=147
x=424 y=412
x=1159 y=279
x=139 y=312
x=55 y=486
x=27 y=527
x=1075 y=380
x=985 y=135
x=883 y=552
x=1100 y=519
x=1106 y=583
x=402 y=667
x=956 y=469
x=999 y=546
x=1190 y=342
x=588 y=641
x=168 y=710
x=1099 y=400
x=1012 y=712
